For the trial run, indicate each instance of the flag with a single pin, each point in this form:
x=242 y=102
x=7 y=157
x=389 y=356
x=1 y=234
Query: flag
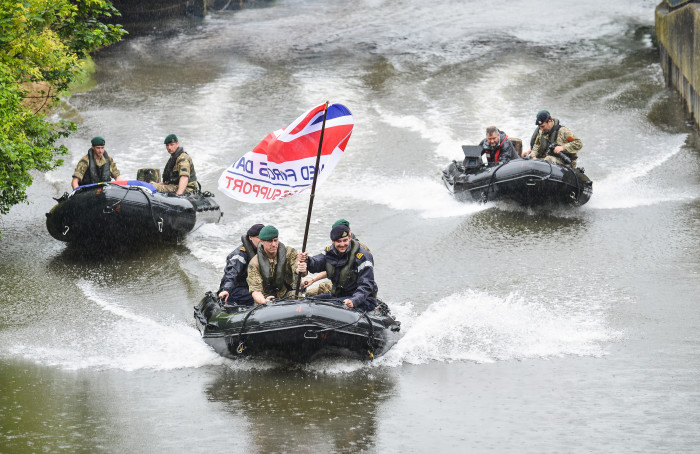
x=284 y=163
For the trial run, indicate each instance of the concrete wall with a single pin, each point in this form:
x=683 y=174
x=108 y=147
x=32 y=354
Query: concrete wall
x=678 y=33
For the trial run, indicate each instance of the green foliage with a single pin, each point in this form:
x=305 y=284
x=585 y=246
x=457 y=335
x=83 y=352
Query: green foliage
x=42 y=46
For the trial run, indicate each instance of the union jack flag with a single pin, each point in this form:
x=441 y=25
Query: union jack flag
x=284 y=162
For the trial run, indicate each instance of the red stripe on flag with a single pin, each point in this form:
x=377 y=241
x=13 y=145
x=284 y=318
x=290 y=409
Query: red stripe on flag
x=302 y=124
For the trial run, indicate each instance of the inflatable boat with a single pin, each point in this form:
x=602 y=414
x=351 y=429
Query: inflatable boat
x=126 y=212
x=524 y=181
x=296 y=329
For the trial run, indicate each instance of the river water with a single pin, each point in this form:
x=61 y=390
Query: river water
x=554 y=330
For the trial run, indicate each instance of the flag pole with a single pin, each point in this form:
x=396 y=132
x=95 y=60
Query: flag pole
x=313 y=193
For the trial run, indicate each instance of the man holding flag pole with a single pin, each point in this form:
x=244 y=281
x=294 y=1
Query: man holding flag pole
x=350 y=268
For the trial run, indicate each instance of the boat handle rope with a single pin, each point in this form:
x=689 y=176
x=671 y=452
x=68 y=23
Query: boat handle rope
x=370 y=338
x=541 y=179
x=110 y=209
x=551 y=169
x=578 y=187
x=241 y=342
x=316 y=332
x=578 y=183
x=159 y=225
x=485 y=196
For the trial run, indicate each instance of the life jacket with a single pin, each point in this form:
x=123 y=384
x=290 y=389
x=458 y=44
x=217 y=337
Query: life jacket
x=347 y=279
x=498 y=150
x=95 y=174
x=274 y=282
x=170 y=174
x=550 y=138
x=250 y=250
x=534 y=137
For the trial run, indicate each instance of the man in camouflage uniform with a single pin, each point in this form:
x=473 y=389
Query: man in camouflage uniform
x=350 y=268
x=271 y=271
x=234 y=285
x=179 y=175
x=326 y=286
x=96 y=166
x=552 y=132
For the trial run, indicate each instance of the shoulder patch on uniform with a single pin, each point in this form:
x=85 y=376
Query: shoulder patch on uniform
x=243 y=248
x=328 y=248
x=570 y=139
x=359 y=255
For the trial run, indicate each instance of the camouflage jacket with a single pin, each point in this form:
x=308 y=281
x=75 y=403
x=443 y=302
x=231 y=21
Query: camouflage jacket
x=180 y=165
x=564 y=137
x=84 y=166
x=255 y=278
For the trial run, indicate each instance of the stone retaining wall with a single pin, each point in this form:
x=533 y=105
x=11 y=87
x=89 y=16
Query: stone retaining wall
x=679 y=45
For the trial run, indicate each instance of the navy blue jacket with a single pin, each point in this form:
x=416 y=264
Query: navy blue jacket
x=363 y=290
x=236 y=270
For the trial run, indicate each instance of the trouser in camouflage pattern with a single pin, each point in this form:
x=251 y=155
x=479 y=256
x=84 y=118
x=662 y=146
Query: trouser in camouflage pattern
x=322 y=288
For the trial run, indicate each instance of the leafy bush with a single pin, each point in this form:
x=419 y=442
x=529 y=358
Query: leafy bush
x=42 y=46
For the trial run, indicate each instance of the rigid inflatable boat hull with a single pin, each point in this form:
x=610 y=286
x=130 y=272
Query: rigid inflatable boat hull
x=114 y=213
x=295 y=329
x=524 y=181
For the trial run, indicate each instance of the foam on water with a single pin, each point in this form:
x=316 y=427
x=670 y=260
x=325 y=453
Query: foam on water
x=427 y=196
x=476 y=326
x=115 y=338
x=435 y=132
x=629 y=185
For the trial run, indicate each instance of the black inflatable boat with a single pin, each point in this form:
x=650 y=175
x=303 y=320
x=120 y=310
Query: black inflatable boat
x=525 y=181
x=127 y=212
x=296 y=329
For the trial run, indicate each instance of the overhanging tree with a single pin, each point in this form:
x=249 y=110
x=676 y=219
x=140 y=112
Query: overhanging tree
x=42 y=46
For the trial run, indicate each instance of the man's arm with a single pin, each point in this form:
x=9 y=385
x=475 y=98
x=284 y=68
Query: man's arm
x=259 y=298
x=365 y=280
x=113 y=170
x=182 y=184
x=569 y=143
x=536 y=146
x=79 y=172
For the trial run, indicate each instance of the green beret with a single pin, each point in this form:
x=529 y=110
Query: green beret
x=170 y=138
x=98 y=141
x=269 y=232
x=341 y=222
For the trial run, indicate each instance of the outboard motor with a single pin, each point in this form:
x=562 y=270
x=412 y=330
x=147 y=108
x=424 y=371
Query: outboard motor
x=206 y=308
